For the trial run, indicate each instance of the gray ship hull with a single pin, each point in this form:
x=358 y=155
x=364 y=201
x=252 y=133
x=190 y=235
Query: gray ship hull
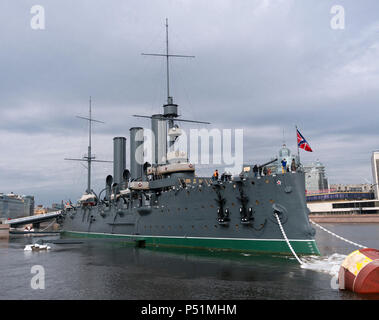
x=231 y=215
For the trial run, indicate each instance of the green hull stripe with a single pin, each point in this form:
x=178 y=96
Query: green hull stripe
x=305 y=247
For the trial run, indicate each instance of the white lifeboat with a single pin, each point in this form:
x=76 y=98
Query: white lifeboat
x=88 y=199
x=171 y=168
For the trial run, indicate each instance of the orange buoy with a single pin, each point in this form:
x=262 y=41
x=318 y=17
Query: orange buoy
x=359 y=272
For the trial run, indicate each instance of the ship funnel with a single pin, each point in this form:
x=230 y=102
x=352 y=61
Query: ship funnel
x=159 y=128
x=119 y=159
x=136 y=153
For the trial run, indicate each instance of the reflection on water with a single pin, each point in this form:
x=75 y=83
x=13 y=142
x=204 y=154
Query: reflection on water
x=104 y=269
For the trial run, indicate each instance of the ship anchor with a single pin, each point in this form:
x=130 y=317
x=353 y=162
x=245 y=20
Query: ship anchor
x=223 y=214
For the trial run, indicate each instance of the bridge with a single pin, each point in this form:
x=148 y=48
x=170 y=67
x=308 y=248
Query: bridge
x=33 y=219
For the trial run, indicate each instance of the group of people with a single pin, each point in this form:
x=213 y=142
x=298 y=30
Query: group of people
x=261 y=171
x=285 y=168
x=258 y=170
x=224 y=177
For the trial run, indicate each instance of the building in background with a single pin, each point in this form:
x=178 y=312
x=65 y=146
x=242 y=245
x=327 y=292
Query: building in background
x=15 y=206
x=375 y=172
x=348 y=198
x=40 y=209
x=363 y=187
x=315 y=177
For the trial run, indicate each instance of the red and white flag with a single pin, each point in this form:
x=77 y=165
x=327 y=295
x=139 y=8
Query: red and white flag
x=302 y=143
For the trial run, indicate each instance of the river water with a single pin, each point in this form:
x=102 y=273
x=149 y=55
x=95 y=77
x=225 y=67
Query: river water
x=101 y=269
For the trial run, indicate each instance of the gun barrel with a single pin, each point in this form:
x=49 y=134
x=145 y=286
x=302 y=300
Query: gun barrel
x=267 y=163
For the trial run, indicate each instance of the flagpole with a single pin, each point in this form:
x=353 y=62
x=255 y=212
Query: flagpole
x=297 y=144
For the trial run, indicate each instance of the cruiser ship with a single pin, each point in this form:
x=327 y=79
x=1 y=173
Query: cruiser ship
x=166 y=203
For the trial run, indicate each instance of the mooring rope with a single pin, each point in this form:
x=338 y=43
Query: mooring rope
x=321 y=227
x=285 y=238
x=48 y=225
x=337 y=236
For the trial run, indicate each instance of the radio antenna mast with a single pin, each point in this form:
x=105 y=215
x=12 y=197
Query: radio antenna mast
x=89 y=158
x=167 y=55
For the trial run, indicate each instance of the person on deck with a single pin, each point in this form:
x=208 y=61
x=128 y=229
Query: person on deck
x=293 y=165
x=284 y=166
x=255 y=170
x=215 y=175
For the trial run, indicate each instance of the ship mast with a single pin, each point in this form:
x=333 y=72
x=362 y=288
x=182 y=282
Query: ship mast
x=170 y=113
x=89 y=158
x=167 y=55
x=167 y=64
x=170 y=108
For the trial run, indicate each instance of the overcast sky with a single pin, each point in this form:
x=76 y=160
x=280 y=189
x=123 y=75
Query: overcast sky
x=261 y=65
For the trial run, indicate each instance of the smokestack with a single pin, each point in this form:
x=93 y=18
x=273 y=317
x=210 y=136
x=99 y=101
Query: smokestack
x=136 y=153
x=119 y=159
x=159 y=128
